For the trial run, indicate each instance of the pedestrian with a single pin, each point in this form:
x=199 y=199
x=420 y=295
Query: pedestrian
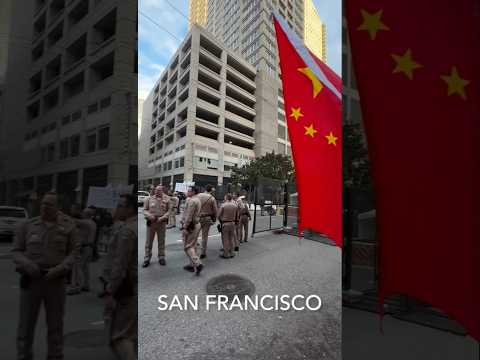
x=208 y=215
x=156 y=209
x=44 y=251
x=86 y=230
x=121 y=292
x=227 y=216
x=244 y=218
x=190 y=229
x=238 y=230
x=172 y=219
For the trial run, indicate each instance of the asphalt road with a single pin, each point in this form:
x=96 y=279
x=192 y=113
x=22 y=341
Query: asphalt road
x=277 y=265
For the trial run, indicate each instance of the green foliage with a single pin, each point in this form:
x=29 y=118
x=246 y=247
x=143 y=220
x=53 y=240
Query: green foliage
x=356 y=164
x=271 y=166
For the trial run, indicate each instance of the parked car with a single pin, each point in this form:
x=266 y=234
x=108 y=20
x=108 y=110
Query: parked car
x=141 y=196
x=10 y=216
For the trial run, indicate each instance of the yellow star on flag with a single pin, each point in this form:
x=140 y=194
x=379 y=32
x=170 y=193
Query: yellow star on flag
x=331 y=139
x=317 y=85
x=309 y=130
x=456 y=85
x=296 y=113
x=372 y=23
x=405 y=64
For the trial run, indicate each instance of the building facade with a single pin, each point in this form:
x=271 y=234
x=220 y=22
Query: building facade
x=200 y=120
x=197 y=13
x=70 y=107
x=315 y=32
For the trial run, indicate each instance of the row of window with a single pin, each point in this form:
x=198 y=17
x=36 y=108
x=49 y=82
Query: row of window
x=69 y=147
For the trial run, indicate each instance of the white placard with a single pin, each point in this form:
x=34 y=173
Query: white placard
x=183 y=186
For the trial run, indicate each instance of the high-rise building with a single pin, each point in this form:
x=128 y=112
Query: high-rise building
x=200 y=119
x=315 y=32
x=198 y=12
x=70 y=107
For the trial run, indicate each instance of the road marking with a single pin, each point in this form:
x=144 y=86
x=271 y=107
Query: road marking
x=97 y=323
x=208 y=236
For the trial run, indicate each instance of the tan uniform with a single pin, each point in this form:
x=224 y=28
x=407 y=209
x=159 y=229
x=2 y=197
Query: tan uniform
x=122 y=284
x=208 y=214
x=244 y=217
x=227 y=217
x=39 y=247
x=190 y=222
x=238 y=226
x=158 y=207
x=172 y=220
x=81 y=272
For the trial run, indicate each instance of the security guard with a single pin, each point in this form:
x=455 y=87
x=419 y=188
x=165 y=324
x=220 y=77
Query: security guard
x=190 y=230
x=156 y=210
x=208 y=215
x=238 y=230
x=244 y=218
x=44 y=251
x=172 y=220
x=122 y=288
x=86 y=230
x=227 y=216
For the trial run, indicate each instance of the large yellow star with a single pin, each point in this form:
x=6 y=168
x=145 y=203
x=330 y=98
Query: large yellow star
x=456 y=85
x=405 y=64
x=317 y=85
x=309 y=130
x=331 y=139
x=296 y=113
x=372 y=23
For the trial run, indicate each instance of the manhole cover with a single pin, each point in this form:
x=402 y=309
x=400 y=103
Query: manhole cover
x=230 y=285
x=86 y=338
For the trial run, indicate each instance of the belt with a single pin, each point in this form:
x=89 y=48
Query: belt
x=224 y=222
x=205 y=215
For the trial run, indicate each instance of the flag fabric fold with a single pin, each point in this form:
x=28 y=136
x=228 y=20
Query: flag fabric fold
x=313 y=108
x=416 y=65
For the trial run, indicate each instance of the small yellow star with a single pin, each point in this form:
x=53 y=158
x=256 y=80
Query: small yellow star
x=296 y=113
x=310 y=130
x=317 y=85
x=331 y=139
x=405 y=64
x=372 y=23
x=456 y=85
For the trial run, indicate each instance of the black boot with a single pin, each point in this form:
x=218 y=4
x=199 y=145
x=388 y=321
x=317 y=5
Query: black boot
x=146 y=263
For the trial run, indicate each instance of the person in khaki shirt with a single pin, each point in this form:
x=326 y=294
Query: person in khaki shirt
x=172 y=217
x=238 y=230
x=228 y=216
x=156 y=210
x=190 y=230
x=243 y=218
x=208 y=215
x=44 y=250
x=121 y=291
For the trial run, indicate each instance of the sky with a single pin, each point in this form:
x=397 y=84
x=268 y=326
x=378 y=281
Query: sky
x=156 y=45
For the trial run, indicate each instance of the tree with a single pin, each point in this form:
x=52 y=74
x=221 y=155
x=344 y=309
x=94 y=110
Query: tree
x=271 y=166
x=356 y=168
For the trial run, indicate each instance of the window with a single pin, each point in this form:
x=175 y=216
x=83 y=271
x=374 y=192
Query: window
x=103 y=138
x=281 y=131
x=63 y=149
x=74 y=145
x=92 y=108
x=76 y=115
x=104 y=103
x=169 y=167
x=51 y=152
x=91 y=142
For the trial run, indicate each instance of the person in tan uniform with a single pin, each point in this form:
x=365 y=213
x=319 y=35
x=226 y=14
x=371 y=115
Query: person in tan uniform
x=172 y=218
x=86 y=230
x=243 y=218
x=208 y=215
x=227 y=216
x=44 y=250
x=190 y=229
x=238 y=229
x=121 y=291
x=156 y=210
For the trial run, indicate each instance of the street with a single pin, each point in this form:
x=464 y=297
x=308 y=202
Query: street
x=84 y=329
x=276 y=265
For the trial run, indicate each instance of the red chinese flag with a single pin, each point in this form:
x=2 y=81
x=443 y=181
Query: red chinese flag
x=417 y=69
x=313 y=108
